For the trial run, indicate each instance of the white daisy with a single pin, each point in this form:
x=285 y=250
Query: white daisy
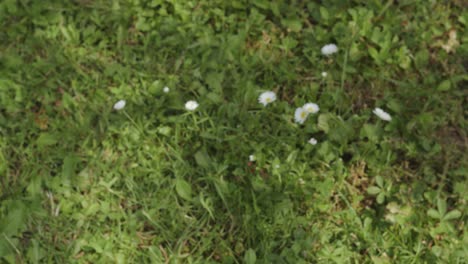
x=119 y=105
x=382 y=114
x=267 y=97
x=166 y=89
x=324 y=74
x=252 y=158
x=191 y=105
x=329 y=49
x=311 y=108
x=312 y=141
x=300 y=115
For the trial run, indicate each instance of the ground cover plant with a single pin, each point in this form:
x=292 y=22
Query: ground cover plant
x=212 y=131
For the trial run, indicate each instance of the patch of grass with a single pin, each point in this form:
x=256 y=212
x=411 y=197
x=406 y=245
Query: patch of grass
x=155 y=183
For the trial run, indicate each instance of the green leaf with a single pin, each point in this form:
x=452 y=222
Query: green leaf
x=323 y=122
x=46 y=139
x=444 y=86
x=164 y=130
x=250 y=257
x=292 y=157
x=261 y=3
x=381 y=198
x=91 y=209
x=433 y=213
x=214 y=80
x=207 y=204
x=275 y=8
x=68 y=169
x=454 y=214
x=441 y=206
x=214 y=97
x=379 y=181
x=5 y=247
x=292 y=24
x=35 y=185
x=289 y=43
x=202 y=159
x=14 y=220
x=372 y=132
x=142 y=24
x=184 y=189
x=422 y=58
x=374 y=54
x=395 y=106
x=120 y=258
x=324 y=13
x=373 y=190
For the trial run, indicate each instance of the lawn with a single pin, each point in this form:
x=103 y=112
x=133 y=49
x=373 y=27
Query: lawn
x=213 y=131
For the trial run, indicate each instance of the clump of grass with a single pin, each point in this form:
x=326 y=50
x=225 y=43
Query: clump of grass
x=241 y=134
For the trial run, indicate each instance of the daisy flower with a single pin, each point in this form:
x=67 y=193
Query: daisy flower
x=300 y=115
x=311 y=108
x=312 y=141
x=252 y=158
x=166 y=89
x=267 y=97
x=382 y=114
x=119 y=105
x=191 y=105
x=329 y=49
x=324 y=74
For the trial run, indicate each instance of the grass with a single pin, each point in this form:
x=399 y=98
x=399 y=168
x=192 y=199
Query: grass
x=154 y=183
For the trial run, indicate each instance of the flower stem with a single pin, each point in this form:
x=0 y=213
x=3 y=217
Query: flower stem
x=133 y=122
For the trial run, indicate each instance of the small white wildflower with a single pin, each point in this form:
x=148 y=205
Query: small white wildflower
x=324 y=74
x=301 y=181
x=329 y=49
x=311 y=108
x=119 y=105
x=252 y=158
x=313 y=141
x=166 y=89
x=382 y=114
x=267 y=97
x=191 y=105
x=277 y=166
x=300 y=115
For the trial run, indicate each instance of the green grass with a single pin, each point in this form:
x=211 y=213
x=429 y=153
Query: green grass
x=154 y=183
